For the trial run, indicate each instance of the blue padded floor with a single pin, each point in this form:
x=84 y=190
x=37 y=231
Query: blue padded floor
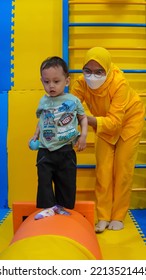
x=139 y=218
x=4 y=212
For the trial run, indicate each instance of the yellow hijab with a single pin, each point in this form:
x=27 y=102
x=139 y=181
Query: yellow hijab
x=100 y=55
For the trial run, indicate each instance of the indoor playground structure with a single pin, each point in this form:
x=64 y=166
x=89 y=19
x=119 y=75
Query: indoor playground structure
x=30 y=31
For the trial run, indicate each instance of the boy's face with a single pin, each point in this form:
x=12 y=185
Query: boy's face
x=54 y=81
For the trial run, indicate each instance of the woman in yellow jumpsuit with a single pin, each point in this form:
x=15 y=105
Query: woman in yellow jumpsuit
x=117 y=119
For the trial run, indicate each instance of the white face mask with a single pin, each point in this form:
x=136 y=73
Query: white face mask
x=95 y=82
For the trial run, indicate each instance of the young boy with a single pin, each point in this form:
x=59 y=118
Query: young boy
x=59 y=114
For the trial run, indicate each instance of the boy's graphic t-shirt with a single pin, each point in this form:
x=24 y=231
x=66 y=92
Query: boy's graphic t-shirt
x=58 y=120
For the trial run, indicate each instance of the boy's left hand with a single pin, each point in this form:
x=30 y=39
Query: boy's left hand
x=81 y=143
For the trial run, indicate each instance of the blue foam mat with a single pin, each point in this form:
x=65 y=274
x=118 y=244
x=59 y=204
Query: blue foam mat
x=139 y=219
x=4 y=212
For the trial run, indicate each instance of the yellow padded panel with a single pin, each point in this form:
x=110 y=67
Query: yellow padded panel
x=37 y=35
x=22 y=176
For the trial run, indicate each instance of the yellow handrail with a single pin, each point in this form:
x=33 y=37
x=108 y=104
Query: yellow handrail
x=139 y=189
x=93 y=190
x=142 y=94
x=111 y=48
x=91 y=144
x=105 y=2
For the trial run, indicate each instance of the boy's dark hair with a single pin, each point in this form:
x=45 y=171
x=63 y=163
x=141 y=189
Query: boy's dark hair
x=54 y=61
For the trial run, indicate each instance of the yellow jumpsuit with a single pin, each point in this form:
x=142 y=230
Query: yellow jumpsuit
x=119 y=112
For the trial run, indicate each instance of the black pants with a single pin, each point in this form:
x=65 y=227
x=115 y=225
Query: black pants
x=56 y=177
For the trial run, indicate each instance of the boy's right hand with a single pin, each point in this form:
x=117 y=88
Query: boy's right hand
x=34 y=138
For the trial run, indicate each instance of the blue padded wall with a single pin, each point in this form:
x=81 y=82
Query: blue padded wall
x=6 y=75
x=6 y=39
